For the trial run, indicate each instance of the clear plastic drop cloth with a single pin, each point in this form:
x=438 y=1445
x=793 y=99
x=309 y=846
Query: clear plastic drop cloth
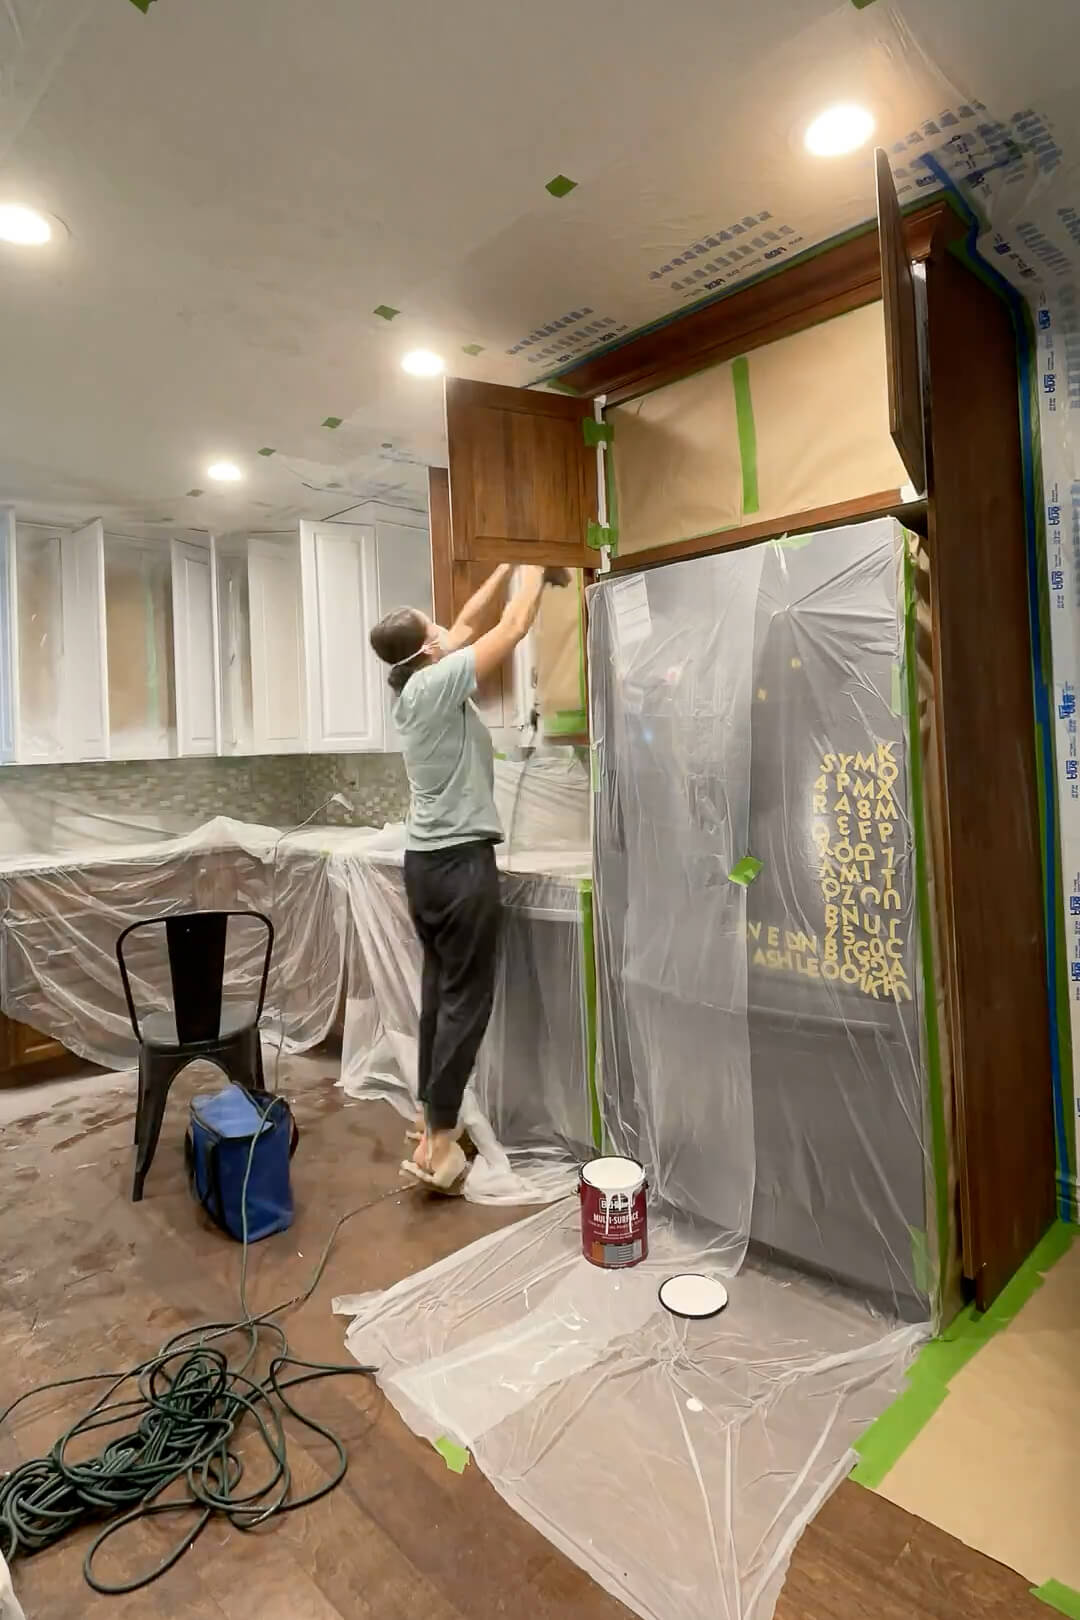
x=530 y=1107
x=61 y=917
x=760 y=1012
x=761 y=1054
x=671 y=671
x=676 y=1461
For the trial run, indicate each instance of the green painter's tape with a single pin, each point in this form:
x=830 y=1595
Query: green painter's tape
x=454 y=1456
x=793 y=542
x=588 y=981
x=566 y=723
x=921 y=1269
x=472 y=348
x=385 y=312
x=143 y=5
x=332 y=422
x=595 y=432
x=861 y=5
x=745 y=871
x=937 y=1364
x=885 y=1440
x=561 y=186
x=597 y=535
x=896 y=695
x=744 y=418
x=1056 y=1595
x=267 y=451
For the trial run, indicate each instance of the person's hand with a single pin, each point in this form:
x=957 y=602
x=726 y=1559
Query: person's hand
x=557 y=576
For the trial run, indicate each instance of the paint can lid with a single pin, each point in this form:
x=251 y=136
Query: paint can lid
x=693 y=1295
x=612 y=1175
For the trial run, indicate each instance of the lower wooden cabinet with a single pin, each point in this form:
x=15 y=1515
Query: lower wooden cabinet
x=22 y=1047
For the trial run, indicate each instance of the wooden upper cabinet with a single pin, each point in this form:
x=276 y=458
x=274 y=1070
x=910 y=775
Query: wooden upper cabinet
x=522 y=479
x=901 y=328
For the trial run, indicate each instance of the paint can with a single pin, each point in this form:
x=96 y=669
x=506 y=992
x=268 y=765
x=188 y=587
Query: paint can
x=614 y=1218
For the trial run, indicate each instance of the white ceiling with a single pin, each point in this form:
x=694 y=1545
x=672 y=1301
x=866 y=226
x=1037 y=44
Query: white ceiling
x=244 y=181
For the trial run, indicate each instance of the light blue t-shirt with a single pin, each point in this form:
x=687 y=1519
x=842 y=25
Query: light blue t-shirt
x=448 y=756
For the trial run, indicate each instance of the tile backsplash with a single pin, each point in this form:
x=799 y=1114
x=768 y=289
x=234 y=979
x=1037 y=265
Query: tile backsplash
x=47 y=807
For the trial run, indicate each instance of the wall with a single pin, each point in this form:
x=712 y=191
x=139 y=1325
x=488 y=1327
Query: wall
x=47 y=807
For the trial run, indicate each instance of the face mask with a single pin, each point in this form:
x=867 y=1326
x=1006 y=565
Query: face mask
x=438 y=640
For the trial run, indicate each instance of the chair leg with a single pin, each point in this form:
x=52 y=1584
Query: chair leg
x=157 y=1075
x=241 y=1061
x=139 y=1099
x=257 y=1065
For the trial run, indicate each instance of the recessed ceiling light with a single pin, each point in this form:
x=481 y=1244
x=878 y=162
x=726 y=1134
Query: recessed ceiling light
x=422 y=363
x=23 y=226
x=226 y=472
x=838 y=130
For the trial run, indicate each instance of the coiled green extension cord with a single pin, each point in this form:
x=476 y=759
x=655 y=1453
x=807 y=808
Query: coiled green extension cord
x=180 y=1426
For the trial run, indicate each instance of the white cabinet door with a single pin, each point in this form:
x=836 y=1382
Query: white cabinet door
x=198 y=725
x=84 y=692
x=340 y=583
x=9 y=648
x=404 y=558
x=277 y=648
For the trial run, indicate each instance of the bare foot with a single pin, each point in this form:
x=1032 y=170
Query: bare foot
x=438 y=1146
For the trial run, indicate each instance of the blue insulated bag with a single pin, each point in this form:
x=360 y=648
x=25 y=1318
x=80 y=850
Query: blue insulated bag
x=221 y=1131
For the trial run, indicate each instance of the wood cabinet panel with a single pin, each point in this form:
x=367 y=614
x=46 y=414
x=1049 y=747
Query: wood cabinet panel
x=522 y=479
x=21 y=1046
x=993 y=905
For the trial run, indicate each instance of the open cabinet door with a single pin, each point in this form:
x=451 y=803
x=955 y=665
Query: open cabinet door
x=522 y=479
x=901 y=329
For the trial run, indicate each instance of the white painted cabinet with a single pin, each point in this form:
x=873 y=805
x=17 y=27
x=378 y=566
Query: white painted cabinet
x=194 y=593
x=277 y=647
x=341 y=603
x=84 y=694
x=58 y=608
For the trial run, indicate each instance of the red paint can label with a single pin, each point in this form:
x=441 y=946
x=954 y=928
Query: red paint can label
x=614 y=1216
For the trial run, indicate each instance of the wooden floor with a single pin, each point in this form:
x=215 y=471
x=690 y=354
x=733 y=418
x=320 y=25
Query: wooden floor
x=90 y=1281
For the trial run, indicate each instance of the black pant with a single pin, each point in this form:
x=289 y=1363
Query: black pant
x=454 y=903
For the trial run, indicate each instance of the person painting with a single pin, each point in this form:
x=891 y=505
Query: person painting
x=451 y=879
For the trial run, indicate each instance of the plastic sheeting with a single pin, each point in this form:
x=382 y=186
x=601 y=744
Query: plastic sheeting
x=61 y=917
x=675 y=1461
x=671 y=661
x=759 y=1052
x=528 y=1108
x=760 y=1045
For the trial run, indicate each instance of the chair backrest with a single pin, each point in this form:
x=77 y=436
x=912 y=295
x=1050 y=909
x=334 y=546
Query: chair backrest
x=195 y=941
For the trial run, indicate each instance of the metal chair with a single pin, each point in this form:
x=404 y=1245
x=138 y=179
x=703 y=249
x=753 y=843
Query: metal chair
x=200 y=1024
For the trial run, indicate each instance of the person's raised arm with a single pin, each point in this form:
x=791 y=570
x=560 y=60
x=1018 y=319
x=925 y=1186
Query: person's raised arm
x=462 y=632
x=517 y=618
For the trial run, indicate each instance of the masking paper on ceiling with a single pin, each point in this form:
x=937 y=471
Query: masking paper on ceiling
x=814 y=431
